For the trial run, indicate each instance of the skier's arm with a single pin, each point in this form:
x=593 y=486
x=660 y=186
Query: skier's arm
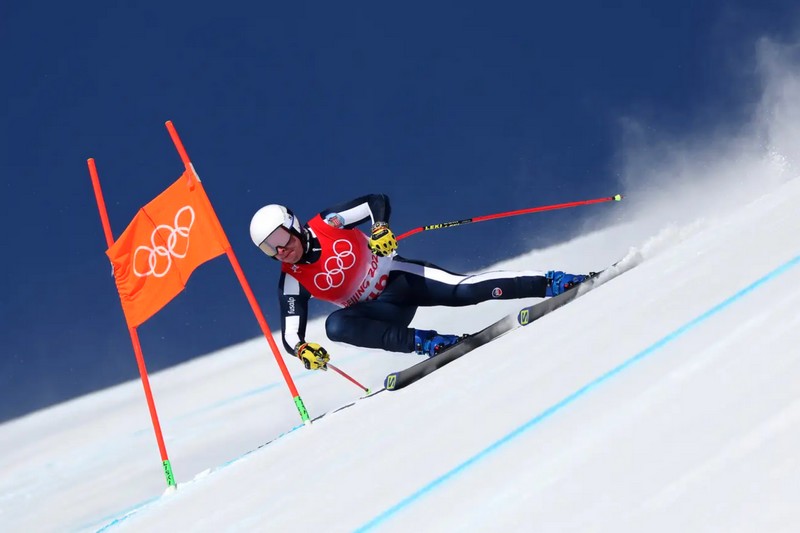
x=294 y=314
x=293 y=299
x=372 y=207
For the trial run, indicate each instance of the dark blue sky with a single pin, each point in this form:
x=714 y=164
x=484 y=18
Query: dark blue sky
x=454 y=109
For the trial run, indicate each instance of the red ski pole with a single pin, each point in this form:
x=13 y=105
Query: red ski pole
x=348 y=377
x=442 y=225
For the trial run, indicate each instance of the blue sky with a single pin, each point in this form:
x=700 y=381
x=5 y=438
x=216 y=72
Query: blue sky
x=454 y=109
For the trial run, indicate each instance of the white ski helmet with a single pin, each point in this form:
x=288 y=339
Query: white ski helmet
x=268 y=219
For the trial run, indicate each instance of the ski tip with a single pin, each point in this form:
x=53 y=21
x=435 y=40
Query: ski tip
x=618 y=197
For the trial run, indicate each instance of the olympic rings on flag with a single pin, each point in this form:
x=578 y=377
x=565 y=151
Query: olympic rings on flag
x=170 y=250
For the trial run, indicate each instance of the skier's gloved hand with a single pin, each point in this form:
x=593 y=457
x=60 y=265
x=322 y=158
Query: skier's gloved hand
x=314 y=356
x=382 y=242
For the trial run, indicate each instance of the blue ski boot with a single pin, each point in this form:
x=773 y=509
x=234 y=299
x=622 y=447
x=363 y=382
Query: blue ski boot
x=431 y=343
x=558 y=282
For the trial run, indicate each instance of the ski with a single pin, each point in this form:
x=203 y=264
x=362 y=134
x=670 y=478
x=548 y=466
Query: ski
x=403 y=378
x=523 y=317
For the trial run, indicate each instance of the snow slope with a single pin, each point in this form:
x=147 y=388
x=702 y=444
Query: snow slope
x=666 y=400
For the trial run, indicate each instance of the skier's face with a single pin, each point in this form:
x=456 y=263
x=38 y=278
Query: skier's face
x=292 y=252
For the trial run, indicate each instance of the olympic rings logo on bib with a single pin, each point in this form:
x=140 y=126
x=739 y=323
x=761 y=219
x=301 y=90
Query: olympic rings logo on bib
x=168 y=251
x=335 y=266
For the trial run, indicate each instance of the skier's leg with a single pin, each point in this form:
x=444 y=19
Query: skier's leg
x=425 y=284
x=373 y=324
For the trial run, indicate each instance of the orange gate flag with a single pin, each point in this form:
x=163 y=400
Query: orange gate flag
x=167 y=239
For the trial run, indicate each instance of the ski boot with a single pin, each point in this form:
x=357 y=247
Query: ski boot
x=558 y=282
x=431 y=343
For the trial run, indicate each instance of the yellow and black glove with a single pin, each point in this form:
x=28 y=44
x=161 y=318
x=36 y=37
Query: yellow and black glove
x=382 y=242
x=314 y=356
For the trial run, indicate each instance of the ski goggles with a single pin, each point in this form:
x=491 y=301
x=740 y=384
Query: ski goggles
x=277 y=239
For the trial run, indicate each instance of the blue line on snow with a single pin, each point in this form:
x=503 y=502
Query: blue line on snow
x=547 y=413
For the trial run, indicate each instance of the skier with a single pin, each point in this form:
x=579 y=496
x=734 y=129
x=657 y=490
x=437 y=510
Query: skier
x=378 y=291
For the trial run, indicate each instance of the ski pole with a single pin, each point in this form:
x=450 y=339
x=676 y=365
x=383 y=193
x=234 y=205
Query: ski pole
x=442 y=225
x=345 y=375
